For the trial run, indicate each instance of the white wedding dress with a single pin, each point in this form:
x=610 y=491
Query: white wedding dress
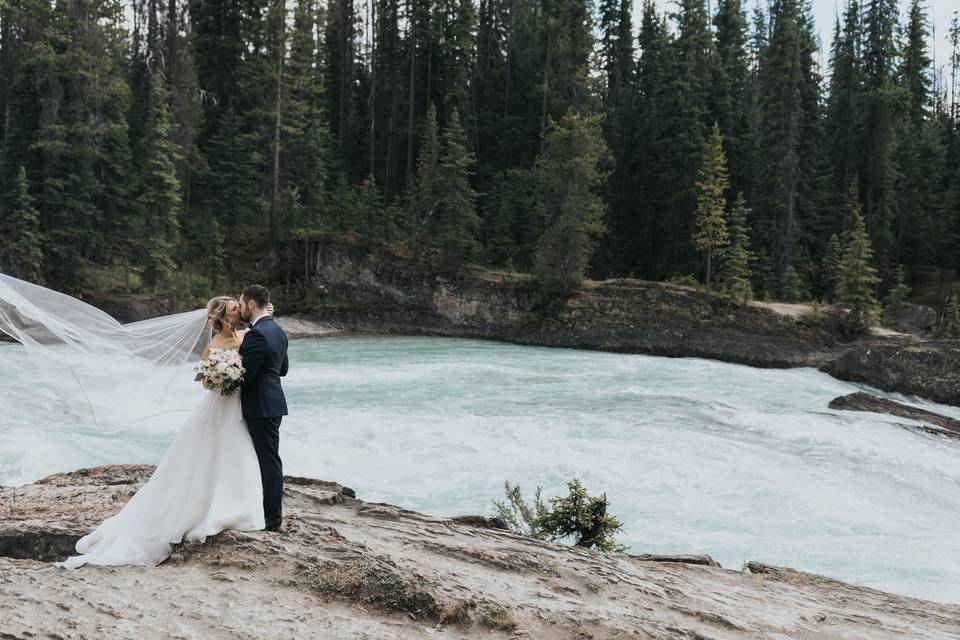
x=207 y=481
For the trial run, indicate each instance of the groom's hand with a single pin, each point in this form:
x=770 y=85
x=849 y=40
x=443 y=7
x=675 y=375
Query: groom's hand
x=270 y=308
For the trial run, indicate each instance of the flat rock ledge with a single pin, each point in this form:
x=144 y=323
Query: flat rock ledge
x=934 y=423
x=346 y=568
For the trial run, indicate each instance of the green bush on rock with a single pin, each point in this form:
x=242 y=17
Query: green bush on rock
x=577 y=515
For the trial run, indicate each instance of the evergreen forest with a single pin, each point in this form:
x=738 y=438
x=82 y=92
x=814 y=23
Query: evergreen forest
x=177 y=147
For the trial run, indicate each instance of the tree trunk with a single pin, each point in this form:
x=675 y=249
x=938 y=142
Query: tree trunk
x=372 y=100
x=171 y=62
x=546 y=88
x=152 y=39
x=411 y=82
x=506 y=82
x=278 y=84
x=389 y=169
x=345 y=99
x=6 y=71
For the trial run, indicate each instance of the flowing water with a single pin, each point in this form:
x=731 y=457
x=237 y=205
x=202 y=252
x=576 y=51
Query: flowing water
x=695 y=456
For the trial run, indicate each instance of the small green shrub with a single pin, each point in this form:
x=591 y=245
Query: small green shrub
x=577 y=515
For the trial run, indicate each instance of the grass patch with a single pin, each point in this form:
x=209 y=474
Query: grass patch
x=375 y=583
x=497 y=617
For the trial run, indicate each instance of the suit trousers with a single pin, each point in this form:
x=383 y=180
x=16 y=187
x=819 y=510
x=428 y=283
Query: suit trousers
x=266 y=441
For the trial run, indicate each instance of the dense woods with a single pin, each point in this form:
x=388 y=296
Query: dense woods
x=182 y=145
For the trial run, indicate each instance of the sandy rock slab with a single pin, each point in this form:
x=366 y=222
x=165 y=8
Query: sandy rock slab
x=346 y=568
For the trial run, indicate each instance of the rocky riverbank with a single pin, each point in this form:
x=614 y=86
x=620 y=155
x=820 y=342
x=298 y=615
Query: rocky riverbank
x=356 y=291
x=346 y=568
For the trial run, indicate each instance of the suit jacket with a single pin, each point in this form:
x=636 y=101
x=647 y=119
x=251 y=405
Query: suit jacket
x=264 y=355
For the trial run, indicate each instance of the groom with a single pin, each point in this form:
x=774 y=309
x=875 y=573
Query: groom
x=264 y=354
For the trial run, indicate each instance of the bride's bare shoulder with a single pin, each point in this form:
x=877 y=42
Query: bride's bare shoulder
x=218 y=342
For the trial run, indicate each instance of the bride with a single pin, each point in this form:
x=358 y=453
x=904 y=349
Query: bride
x=207 y=481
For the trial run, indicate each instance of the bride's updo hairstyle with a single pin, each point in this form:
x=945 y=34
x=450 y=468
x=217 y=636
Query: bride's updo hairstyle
x=217 y=311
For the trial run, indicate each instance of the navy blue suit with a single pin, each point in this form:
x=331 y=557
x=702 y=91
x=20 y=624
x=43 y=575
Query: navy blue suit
x=264 y=354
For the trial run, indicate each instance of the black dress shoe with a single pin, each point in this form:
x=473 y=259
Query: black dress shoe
x=273 y=526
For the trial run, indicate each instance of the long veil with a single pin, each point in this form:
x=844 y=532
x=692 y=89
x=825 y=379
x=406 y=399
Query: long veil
x=109 y=375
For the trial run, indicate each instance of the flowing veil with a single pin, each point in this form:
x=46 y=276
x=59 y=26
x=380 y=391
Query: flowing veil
x=110 y=375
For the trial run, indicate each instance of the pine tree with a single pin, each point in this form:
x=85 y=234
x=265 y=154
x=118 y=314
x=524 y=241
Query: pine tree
x=765 y=282
x=214 y=252
x=390 y=66
x=306 y=159
x=566 y=29
x=457 y=221
x=423 y=195
x=570 y=173
x=711 y=236
x=452 y=26
x=730 y=99
x=68 y=129
x=790 y=93
x=375 y=226
x=21 y=231
x=832 y=256
x=879 y=105
x=919 y=157
x=914 y=71
x=513 y=229
x=857 y=277
x=616 y=60
x=898 y=294
x=643 y=229
x=949 y=326
x=792 y=287
x=339 y=61
x=499 y=243
x=736 y=273
x=229 y=187
x=685 y=121
x=490 y=89
x=160 y=191
x=219 y=38
x=842 y=116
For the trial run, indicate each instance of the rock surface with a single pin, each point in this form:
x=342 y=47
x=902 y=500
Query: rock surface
x=301 y=328
x=930 y=369
x=911 y=318
x=379 y=293
x=345 y=568
x=368 y=292
x=860 y=401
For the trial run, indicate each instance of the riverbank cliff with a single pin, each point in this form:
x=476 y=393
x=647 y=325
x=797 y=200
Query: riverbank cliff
x=353 y=290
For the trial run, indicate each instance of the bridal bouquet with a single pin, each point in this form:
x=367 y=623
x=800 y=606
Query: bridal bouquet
x=222 y=370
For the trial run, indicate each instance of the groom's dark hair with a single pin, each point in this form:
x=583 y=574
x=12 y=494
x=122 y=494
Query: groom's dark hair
x=258 y=293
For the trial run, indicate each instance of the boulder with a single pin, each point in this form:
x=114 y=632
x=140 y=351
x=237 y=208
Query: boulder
x=701 y=559
x=930 y=369
x=861 y=401
x=910 y=318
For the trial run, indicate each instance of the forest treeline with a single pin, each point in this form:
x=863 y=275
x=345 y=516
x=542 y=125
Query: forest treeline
x=157 y=145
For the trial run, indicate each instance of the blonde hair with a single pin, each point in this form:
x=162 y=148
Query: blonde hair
x=217 y=311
